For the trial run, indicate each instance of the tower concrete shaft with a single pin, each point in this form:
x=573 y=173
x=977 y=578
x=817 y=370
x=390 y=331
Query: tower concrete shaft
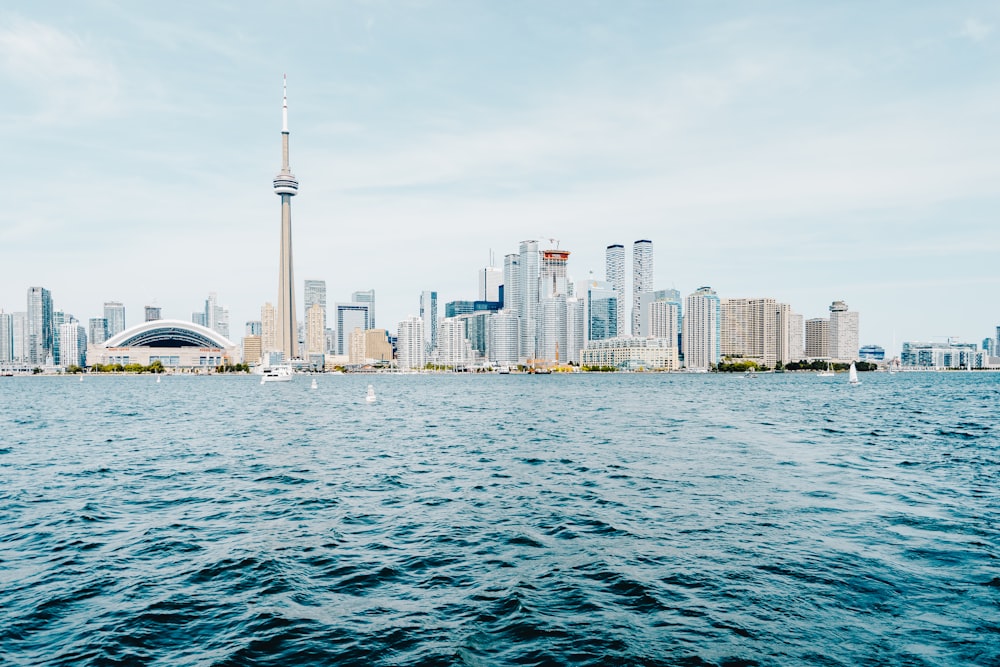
x=286 y=187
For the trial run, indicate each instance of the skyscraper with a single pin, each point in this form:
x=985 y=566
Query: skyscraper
x=6 y=337
x=315 y=292
x=114 y=313
x=600 y=311
x=368 y=297
x=286 y=186
x=490 y=279
x=72 y=344
x=527 y=304
x=511 y=282
x=350 y=316
x=268 y=328
x=614 y=273
x=153 y=313
x=410 y=353
x=843 y=333
x=818 y=338
x=701 y=329
x=429 y=315
x=40 y=333
x=642 y=277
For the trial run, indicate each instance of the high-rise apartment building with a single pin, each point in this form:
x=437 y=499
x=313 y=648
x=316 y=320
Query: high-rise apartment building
x=748 y=330
x=410 y=353
x=6 y=338
x=552 y=329
x=268 y=328
x=429 y=316
x=356 y=348
x=511 y=282
x=40 y=325
x=97 y=330
x=642 y=277
x=490 y=279
x=528 y=302
x=114 y=313
x=817 y=338
x=72 y=345
x=701 y=329
x=153 y=313
x=614 y=272
x=252 y=349
x=216 y=316
x=453 y=349
x=315 y=329
x=843 y=333
x=576 y=337
x=19 y=336
x=796 y=337
x=314 y=292
x=503 y=336
x=377 y=345
x=366 y=297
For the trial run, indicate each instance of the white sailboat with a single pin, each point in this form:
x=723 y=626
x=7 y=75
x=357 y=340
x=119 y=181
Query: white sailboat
x=852 y=375
x=828 y=373
x=370 y=396
x=313 y=385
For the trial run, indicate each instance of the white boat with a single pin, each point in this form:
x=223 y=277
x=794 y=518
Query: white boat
x=280 y=373
x=828 y=373
x=852 y=375
x=370 y=396
x=313 y=385
x=157 y=378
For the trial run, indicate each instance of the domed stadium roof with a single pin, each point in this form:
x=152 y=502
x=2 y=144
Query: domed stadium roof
x=169 y=333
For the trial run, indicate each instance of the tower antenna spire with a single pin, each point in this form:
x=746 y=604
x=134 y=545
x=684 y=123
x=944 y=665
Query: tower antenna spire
x=284 y=103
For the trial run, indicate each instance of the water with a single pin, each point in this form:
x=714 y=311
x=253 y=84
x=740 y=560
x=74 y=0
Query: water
x=501 y=520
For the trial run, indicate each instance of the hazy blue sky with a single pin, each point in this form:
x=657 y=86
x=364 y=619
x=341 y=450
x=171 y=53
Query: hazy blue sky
x=803 y=151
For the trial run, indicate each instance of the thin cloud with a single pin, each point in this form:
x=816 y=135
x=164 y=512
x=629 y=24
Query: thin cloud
x=976 y=30
x=61 y=77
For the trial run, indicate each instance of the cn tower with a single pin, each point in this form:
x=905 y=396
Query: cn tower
x=285 y=186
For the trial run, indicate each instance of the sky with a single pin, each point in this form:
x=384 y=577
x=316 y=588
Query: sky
x=804 y=151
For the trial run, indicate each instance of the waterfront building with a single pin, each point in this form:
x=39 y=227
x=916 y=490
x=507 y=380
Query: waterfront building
x=871 y=353
x=356 y=349
x=268 y=328
x=614 y=273
x=511 y=282
x=40 y=325
x=367 y=297
x=349 y=316
x=576 y=335
x=314 y=292
x=19 y=337
x=72 y=344
x=58 y=319
x=490 y=280
x=153 y=313
x=642 y=277
x=754 y=329
x=503 y=336
x=702 y=329
x=252 y=349
x=457 y=308
x=429 y=316
x=631 y=353
x=952 y=354
x=601 y=310
x=453 y=349
x=286 y=186
x=377 y=346
x=552 y=335
x=114 y=313
x=989 y=346
x=315 y=329
x=6 y=338
x=817 y=338
x=653 y=307
x=410 y=354
x=527 y=303
x=796 y=337
x=843 y=333
x=174 y=343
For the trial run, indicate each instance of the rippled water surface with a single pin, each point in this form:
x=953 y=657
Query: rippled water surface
x=501 y=520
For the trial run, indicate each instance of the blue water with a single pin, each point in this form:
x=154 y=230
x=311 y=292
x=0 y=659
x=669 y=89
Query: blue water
x=501 y=520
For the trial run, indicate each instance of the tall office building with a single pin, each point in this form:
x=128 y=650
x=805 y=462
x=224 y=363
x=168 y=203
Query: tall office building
x=701 y=329
x=796 y=337
x=350 y=316
x=315 y=292
x=817 y=338
x=97 y=330
x=40 y=331
x=576 y=337
x=552 y=329
x=614 y=273
x=511 y=282
x=527 y=305
x=114 y=313
x=19 y=336
x=489 y=281
x=72 y=345
x=286 y=186
x=368 y=297
x=552 y=274
x=268 y=328
x=601 y=310
x=252 y=328
x=153 y=313
x=642 y=277
x=429 y=316
x=410 y=353
x=216 y=316
x=843 y=336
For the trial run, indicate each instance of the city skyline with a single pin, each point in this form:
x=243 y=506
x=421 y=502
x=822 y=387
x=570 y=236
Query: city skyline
x=794 y=153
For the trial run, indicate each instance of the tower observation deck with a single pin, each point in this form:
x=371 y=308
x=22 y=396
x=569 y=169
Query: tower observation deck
x=286 y=186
